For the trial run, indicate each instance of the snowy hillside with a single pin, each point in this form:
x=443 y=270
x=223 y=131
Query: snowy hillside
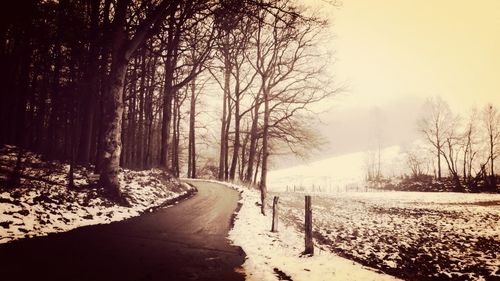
x=334 y=173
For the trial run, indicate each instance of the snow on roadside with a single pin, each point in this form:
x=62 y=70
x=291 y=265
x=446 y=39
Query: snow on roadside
x=43 y=204
x=276 y=256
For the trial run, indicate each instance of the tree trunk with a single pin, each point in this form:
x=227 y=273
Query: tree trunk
x=257 y=166
x=236 y=148
x=140 y=132
x=192 y=136
x=149 y=114
x=223 y=142
x=243 y=160
x=439 y=160
x=226 y=137
x=113 y=109
x=176 y=136
x=113 y=102
x=169 y=91
x=492 y=158
x=265 y=151
x=253 y=140
x=131 y=141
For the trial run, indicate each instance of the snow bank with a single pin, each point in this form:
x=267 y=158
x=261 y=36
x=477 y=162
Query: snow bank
x=43 y=204
x=276 y=256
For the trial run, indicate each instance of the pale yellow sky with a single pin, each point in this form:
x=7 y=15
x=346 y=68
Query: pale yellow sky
x=392 y=49
x=394 y=54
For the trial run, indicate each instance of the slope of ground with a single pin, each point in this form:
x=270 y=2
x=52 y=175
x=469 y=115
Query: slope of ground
x=416 y=236
x=43 y=204
x=334 y=173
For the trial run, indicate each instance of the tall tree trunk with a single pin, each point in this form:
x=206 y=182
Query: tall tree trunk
x=167 y=116
x=192 y=135
x=243 y=160
x=225 y=106
x=265 y=152
x=226 y=137
x=257 y=166
x=169 y=91
x=175 y=136
x=113 y=101
x=236 y=147
x=492 y=158
x=223 y=134
x=113 y=108
x=130 y=141
x=123 y=155
x=439 y=148
x=253 y=139
x=140 y=123
x=149 y=113
x=439 y=159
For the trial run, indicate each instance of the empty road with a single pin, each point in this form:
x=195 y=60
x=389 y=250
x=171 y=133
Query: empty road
x=183 y=242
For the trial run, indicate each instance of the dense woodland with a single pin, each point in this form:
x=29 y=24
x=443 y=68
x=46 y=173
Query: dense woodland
x=119 y=83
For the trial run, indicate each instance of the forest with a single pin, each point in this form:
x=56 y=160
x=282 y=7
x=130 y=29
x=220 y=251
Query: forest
x=119 y=83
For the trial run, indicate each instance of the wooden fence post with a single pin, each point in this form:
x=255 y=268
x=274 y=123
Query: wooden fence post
x=274 y=227
x=309 y=246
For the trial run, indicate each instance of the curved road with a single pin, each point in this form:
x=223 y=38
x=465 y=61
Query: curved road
x=184 y=242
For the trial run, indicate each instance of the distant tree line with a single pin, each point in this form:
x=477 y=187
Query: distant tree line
x=466 y=145
x=456 y=152
x=111 y=82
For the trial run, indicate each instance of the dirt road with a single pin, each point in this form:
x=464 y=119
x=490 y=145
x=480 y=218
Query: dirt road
x=183 y=242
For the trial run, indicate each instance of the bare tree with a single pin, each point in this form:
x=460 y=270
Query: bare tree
x=469 y=143
x=435 y=125
x=491 y=122
x=243 y=80
x=451 y=152
x=289 y=82
x=416 y=162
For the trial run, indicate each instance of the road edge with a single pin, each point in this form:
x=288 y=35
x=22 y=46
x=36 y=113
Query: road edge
x=174 y=200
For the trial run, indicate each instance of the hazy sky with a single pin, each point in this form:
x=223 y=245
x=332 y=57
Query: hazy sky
x=393 y=54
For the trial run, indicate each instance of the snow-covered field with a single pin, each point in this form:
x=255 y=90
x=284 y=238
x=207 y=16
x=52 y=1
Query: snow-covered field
x=412 y=235
x=43 y=204
x=277 y=256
